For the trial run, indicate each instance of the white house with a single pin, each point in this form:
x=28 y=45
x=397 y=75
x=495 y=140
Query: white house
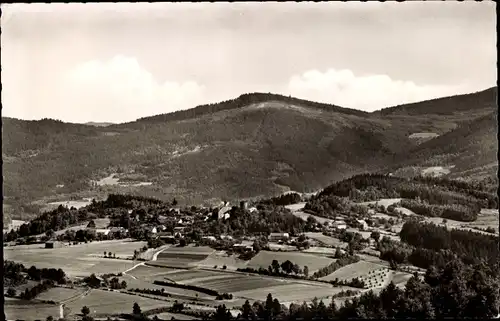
x=340 y=225
x=223 y=211
x=275 y=237
x=209 y=238
x=363 y=225
x=253 y=210
x=102 y=231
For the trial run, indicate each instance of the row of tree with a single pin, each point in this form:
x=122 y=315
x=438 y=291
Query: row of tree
x=334 y=266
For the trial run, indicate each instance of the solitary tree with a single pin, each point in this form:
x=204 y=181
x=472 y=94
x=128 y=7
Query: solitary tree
x=11 y=292
x=375 y=235
x=275 y=266
x=136 y=309
x=85 y=310
x=306 y=271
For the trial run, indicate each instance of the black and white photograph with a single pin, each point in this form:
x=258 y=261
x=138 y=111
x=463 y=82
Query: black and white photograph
x=250 y=161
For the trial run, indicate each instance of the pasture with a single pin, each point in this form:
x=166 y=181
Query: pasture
x=319 y=219
x=486 y=218
x=320 y=250
x=221 y=258
x=174 y=316
x=183 y=256
x=16 y=309
x=148 y=284
x=182 y=276
x=108 y=302
x=328 y=240
x=147 y=272
x=76 y=260
x=314 y=262
x=371 y=273
x=399 y=278
x=291 y=292
x=59 y=294
x=230 y=283
x=384 y=202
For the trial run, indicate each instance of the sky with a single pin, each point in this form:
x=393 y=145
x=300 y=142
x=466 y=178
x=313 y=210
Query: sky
x=116 y=62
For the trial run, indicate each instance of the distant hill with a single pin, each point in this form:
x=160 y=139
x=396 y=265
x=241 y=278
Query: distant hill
x=99 y=124
x=255 y=145
x=447 y=105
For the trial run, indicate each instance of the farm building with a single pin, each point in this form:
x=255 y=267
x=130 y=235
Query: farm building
x=209 y=238
x=244 y=205
x=362 y=224
x=223 y=212
x=52 y=244
x=275 y=237
x=340 y=225
x=226 y=237
x=178 y=231
x=152 y=229
x=103 y=231
x=253 y=210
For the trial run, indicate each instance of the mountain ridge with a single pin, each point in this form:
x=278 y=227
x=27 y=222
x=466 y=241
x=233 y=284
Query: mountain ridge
x=243 y=148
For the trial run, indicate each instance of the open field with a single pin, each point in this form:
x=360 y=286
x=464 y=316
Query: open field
x=291 y=292
x=109 y=302
x=423 y=135
x=281 y=247
x=384 y=201
x=59 y=294
x=265 y=258
x=405 y=211
x=297 y=211
x=69 y=204
x=328 y=240
x=146 y=272
x=365 y=234
x=16 y=309
x=304 y=216
x=399 y=278
x=183 y=256
x=486 y=218
x=373 y=258
x=174 y=316
x=220 y=258
x=366 y=271
x=231 y=283
x=76 y=260
x=181 y=276
x=20 y=288
x=148 y=284
x=318 y=250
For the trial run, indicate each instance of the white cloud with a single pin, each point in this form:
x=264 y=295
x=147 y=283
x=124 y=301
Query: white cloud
x=121 y=90
x=365 y=92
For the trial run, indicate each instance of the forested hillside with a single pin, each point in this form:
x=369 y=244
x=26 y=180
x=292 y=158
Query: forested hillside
x=255 y=145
